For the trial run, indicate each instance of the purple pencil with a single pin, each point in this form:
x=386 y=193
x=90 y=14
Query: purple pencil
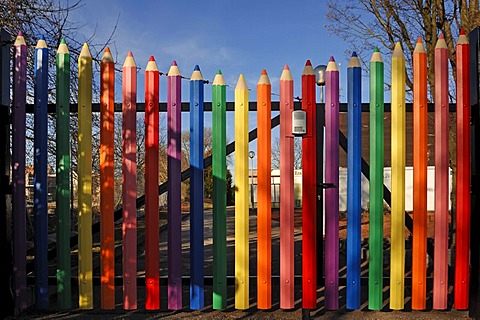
x=331 y=176
x=174 y=104
x=18 y=173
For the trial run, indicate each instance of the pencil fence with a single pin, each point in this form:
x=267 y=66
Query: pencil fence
x=466 y=273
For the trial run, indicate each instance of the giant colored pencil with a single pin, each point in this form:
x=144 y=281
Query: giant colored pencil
x=375 y=264
x=18 y=174
x=397 y=251
x=64 y=289
x=219 y=173
x=174 y=157
x=440 y=263
x=420 y=148
x=40 y=171
x=196 y=191
x=331 y=176
x=309 y=186
x=85 y=276
x=462 y=253
x=152 y=253
x=287 y=300
x=107 y=228
x=129 y=182
x=241 y=195
x=354 y=179
x=264 y=206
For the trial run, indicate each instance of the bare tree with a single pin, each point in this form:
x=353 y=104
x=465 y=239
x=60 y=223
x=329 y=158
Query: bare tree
x=297 y=153
x=365 y=24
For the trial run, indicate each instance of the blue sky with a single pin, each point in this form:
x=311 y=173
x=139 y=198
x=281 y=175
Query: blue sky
x=234 y=36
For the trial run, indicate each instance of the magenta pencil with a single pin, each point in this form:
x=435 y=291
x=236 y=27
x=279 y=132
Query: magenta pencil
x=331 y=176
x=286 y=192
x=129 y=174
x=174 y=157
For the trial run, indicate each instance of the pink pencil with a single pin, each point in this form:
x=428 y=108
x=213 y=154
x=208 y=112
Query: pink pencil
x=440 y=266
x=129 y=182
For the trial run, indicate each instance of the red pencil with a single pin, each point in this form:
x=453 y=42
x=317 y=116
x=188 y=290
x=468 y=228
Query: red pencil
x=462 y=254
x=440 y=267
x=152 y=285
x=129 y=173
x=309 y=195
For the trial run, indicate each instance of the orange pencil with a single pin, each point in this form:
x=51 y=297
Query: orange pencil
x=419 y=267
x=107 y=239
x=264 y=207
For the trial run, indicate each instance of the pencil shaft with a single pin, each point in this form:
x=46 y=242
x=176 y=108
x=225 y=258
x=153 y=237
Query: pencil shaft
x=107 y=231
x=241 y=199
x=264 y=207
x=354 y=209
x=85 y=268
x=287 y=300
x=18 y=177
x=174 y=192
x=420 y=149
x=129 y=182
x=462 y=253
x=196 y=195
x=219 y=168
x=152 y=253
x=440 y=267
x=375 y=264
x=64 y=290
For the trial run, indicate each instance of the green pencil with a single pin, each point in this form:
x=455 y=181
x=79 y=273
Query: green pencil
x=219 y=170
x=63 y=177
x=375 y=267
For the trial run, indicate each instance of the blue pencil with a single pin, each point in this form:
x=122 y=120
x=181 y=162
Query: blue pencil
x=40 y=173
x=196 y=190
x=354 y=191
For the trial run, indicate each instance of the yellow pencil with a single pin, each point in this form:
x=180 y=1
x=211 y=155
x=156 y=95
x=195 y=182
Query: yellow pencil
x=85 y=284
x=241 y=195
x=397 y=255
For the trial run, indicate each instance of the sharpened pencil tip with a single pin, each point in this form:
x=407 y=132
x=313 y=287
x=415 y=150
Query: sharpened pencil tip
x=441 y=36
x=174 y=63
x=129 y=54
x=107 y=49
x=308 y=63
x=286 y=67
x=264 y=72
x=20 y=33
x=354 y=54
x=151 y=58
x=331 y=59
x=419 y=40
x=42 y=37
x=196 y=68
x=63 y=41
x=462 y=32
x=219 y=71
x=376 y=49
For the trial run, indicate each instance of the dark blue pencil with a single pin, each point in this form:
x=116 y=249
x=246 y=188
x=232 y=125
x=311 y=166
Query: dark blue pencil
x=354 y=190
x=196 y=190
x=40 y=173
